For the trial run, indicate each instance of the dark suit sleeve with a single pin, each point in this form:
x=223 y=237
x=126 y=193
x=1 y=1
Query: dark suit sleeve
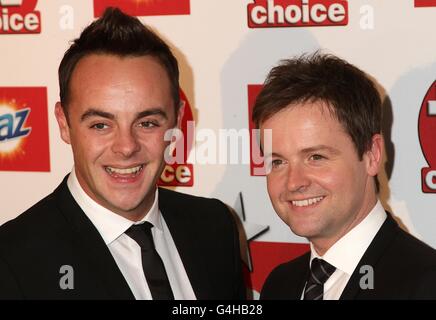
x=426 y=288
x=275 y=287
x=240 y=289
x=9 y=288
x=268 y=287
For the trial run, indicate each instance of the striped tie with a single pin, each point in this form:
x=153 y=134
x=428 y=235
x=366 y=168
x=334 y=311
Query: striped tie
x=320 y=271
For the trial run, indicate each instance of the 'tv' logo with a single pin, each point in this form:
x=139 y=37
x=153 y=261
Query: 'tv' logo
x=427 y=132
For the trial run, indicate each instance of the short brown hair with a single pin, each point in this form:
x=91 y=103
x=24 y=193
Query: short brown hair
x=121 y=35
x=347 y=91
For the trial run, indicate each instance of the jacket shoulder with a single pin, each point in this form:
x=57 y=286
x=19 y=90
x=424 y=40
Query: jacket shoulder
x=408 y=254
x=413 y=247
x=402 y=267
x=184 y=198
x=30 y=223
x=285 y=279
x=192 y=207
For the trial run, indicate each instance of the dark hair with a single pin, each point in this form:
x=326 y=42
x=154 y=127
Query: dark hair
x=346 y=90
x=122 y=35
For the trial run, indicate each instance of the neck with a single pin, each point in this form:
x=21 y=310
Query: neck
x=323 y=244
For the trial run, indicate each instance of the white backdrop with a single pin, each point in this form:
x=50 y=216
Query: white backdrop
x=392 y=40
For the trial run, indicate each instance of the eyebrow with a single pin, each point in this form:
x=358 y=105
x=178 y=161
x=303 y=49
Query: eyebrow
x=152 y=112
x=321 y=147
x=98 y=113
x=316 y=148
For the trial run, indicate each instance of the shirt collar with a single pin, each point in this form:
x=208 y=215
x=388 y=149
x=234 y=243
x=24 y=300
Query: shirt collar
x=346 y=253
x=109 y=224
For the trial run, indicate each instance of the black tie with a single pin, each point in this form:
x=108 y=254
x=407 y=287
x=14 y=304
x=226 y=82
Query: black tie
x=152 y=264
x=320 y=271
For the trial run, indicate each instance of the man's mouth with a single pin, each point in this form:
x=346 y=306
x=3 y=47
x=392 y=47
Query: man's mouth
x=131 y=171
x=306 y=202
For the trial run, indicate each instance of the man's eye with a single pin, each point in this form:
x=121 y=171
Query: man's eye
x=317 y=157
x=99 y=126
x=276 y=162
x=148 y=124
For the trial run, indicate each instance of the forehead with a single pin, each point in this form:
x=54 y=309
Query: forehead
x=103 y=79
x=107 y=68
x=305 y=125
x=301 y=115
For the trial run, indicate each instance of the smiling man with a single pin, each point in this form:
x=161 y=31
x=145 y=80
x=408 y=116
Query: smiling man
x=107 y=232
x=324 y=115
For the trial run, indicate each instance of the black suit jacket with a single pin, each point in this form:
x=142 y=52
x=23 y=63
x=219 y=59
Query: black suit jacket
x=56 y=232
x=404 y=268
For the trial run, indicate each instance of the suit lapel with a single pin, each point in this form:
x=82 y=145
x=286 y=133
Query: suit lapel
x=301 y=277
x=371 y=257
x=183 y=234
x=88 y=243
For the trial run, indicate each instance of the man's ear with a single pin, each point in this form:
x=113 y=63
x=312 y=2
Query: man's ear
x=180 y=114
x=61 y=118
x=374 y=155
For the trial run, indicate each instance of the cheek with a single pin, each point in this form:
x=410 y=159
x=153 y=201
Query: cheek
x=332 y=179
x=274 y=186
x=340 y=182
x=88 y=147
x=154 y=144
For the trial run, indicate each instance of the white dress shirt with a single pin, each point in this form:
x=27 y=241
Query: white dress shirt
x=346 y=253
x=127 y=252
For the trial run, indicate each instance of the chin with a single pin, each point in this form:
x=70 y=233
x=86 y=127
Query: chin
x=130 y=206
x=122 y=205
x=301 y=229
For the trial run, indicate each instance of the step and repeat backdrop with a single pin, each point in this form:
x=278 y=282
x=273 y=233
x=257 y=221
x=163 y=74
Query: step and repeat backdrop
x=225 y=49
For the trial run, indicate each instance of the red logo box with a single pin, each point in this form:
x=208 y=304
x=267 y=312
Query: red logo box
x=266 y=256
x=427 y=132
x=297 y=13
x=181 y=174
x=19 y=17
x=425 y=3
x=24 y=142
x=144 y=7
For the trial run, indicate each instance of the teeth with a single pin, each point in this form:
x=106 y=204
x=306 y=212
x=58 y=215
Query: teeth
x=306 y=202
x=133 y=170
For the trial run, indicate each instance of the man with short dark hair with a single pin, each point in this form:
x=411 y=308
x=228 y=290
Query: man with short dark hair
x=324 y=114
x=107 y=231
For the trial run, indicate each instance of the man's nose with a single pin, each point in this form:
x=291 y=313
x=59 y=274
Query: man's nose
x=297 y=179
x=126 y=143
